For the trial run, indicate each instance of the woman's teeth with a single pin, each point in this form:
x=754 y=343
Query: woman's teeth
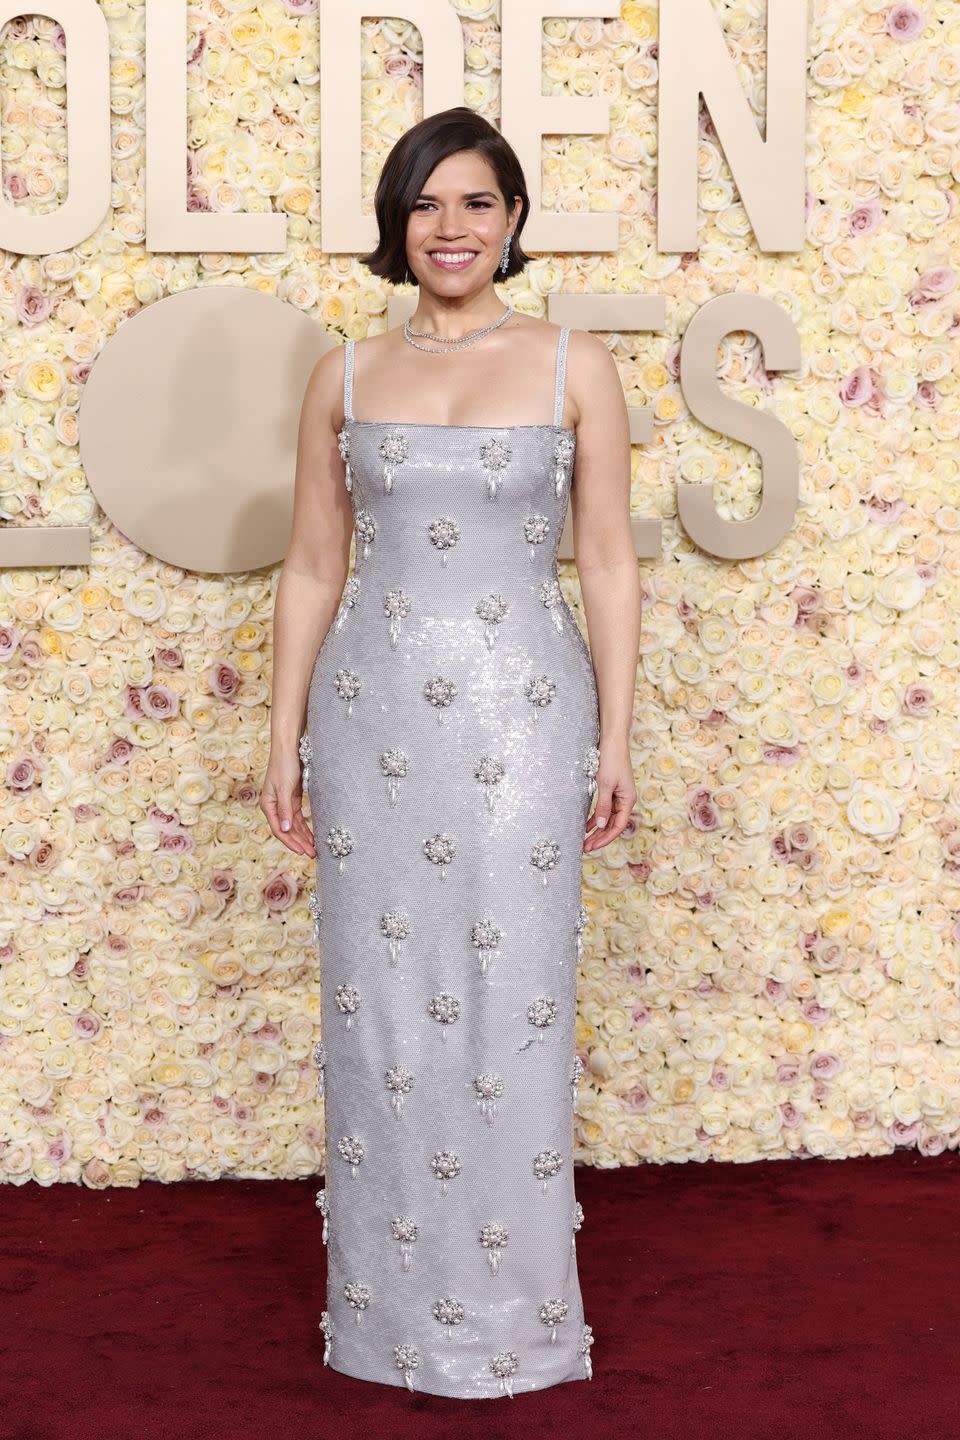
x=455 y=261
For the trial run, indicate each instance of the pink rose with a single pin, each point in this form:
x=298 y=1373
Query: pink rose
x=885 y=512
x=160 y=702
x=8 y=641
x=179 y=842
x=788 y=1069
x=866 y=218
x=824 y=1064
x=774 y=989
x=861 y=390
x=33 y=307
x=702 y=811
x=21 y=773
x=928 y=395
x=16 y=186
x=278 y=891
x=933 y=285
x=904 y=22
x=87 y=1024
x=170 y=657
x=917 y=700
x=224 y=679
x=636 y=1100
x=791 y=1115
x=119 y=750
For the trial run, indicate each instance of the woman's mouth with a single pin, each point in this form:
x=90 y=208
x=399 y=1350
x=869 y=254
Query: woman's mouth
x=453 y=259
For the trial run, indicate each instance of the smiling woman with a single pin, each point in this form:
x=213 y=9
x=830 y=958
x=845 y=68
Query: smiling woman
x=452 y=753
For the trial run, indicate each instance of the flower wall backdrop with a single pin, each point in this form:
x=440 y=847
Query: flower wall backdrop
x=770 y=959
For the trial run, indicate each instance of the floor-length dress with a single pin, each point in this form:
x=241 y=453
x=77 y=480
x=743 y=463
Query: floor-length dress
x=450 y=756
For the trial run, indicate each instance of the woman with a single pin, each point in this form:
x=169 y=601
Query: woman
x=457 y=730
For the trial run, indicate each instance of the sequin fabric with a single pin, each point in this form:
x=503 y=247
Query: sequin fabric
x=451 y=719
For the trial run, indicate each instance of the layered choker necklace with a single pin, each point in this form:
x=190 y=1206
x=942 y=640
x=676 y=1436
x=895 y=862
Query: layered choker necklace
x=459 y=343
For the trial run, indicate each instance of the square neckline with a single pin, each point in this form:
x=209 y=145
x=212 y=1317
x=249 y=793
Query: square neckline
x=556 y=425
x=443 y=425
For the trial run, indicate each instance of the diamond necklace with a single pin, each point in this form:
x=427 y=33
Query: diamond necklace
x=457 y=344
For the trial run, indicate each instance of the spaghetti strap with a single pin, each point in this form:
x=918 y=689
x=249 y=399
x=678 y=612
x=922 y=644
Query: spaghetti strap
x=348 y=381
x=561 y=375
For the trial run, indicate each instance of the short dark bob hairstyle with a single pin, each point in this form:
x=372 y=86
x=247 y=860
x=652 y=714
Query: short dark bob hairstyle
x=413 y=158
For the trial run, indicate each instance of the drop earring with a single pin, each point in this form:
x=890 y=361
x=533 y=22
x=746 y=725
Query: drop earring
x=505 y=256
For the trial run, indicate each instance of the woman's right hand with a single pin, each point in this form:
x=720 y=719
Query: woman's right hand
x=281 y=801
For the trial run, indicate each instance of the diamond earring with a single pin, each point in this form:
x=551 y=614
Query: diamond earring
x=505 y=256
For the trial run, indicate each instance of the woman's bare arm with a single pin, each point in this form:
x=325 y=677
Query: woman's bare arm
x=308 y=592
x=609 y=576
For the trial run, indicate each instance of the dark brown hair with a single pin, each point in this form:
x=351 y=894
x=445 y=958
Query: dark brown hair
x=413 y=158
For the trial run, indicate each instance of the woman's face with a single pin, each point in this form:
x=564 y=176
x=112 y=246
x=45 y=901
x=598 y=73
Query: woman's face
x=460 y=210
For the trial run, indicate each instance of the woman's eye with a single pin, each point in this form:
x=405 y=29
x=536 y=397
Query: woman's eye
x=484 y=204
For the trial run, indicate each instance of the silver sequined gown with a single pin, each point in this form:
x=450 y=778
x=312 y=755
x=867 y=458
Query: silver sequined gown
x=450 y=759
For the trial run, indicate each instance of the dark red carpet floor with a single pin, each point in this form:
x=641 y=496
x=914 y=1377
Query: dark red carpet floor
x=776 y=1300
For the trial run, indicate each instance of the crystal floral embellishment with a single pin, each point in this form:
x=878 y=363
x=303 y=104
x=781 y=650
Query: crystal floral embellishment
x=347 y=685
x=444 y=534
x=552 y=1312
x=351 y=593
x=449 y=1312
x=315 y=906
x=366 y=528
x=339 y=843
x=445 y=1009
x=493 y=1237
x=358 y=1296
x=395 y=925
x=591 y=764
x=540 y=691
x=351 y=1149
x=576 y=1076
x=396 y=604
x=545 y=855
x=407 y=1359
x=405 y=1232
x=489 y=771
x=326 y=1325
x=343 y=442
x=440 y=849
x=540 y=1014
x=488 y=1090
x=323 y=1205
x=445 y=1165
x=394 y=764
x=495 y=455
x=562 y=454
x=577 y=1216
x=547 y=1164
x=393 y=449
x=536 y=528
x=491 y=610
x=306 y=756
x=504 y=1365
x=348 y=1001
x=579 y=924
x=552 y=596
x=441 y=692
x=586 y=1340
x=399 y=1083
x=320 y=1058
x=485 y=936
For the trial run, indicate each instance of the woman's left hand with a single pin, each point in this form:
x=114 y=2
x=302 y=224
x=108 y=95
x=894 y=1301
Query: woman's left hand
x=615 y=798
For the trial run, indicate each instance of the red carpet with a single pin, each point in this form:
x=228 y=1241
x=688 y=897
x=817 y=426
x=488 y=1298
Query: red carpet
x=776 y=1300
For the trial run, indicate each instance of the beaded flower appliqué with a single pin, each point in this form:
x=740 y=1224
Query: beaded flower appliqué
x=485 y=937
x=563 y=454
x=444 y=534
x=493 y=1238
x=326 y=1325
x=351 y=1149
x=553 y=1313
x=536 y=528
x=393 y=449
x=395 y=925
x=394 y=764
x=407 y=1358
x=495 y=455
x=491 y=609
x=343 y=442
x=306 y=756
x=405 y=1232
x=504 y=1365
